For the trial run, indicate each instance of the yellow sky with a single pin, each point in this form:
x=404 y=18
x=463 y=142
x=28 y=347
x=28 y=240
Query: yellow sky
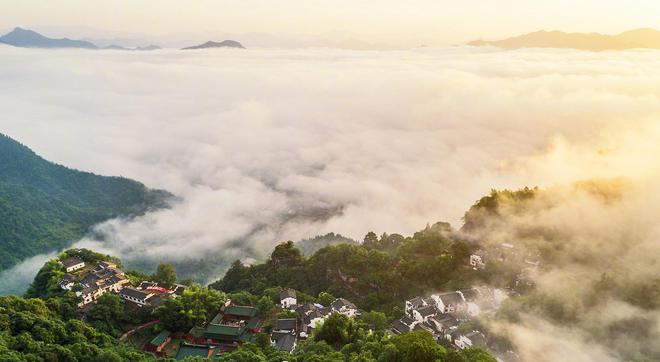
x=388 y=22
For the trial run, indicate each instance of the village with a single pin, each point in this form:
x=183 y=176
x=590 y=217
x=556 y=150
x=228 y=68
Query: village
x=232 y=326
x=446 y=315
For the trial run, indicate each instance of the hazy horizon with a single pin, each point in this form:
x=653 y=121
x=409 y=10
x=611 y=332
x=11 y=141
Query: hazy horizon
x=290 y=24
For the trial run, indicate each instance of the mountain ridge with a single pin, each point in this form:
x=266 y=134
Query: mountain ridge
x=212 y=44
x=26 y=38
x=45 y=206
x=642 y=38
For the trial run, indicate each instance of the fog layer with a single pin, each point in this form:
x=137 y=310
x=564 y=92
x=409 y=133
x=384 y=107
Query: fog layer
x=263 y=146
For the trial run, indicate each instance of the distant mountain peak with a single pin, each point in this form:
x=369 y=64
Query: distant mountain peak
x=636 y=38
x=213 y=44
x=26 y=38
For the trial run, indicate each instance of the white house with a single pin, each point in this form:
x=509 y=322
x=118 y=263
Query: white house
x=67 y=281
x=413 y=304
x=449 y=302
x=469 y=340
x=343 y=306
x=423 y=314
x=288 y=298
x=72 y=264
x=477 y=261
x=136 y=296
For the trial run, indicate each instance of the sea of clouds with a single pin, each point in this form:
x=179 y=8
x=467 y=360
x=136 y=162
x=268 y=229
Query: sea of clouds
x=265 y=145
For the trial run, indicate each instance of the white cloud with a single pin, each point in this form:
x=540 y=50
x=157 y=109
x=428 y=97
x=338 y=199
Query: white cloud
x=264 y=146
x=354 y=141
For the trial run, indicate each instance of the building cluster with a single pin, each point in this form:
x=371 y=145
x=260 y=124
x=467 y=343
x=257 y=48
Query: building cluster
x=106 y=277
x=504 y=252
x=524 y=261
x=308 y=316
x=442 y=315
x=232 y=326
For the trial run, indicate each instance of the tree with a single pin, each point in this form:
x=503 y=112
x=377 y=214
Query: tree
x=376 y=319
x=165 y=275
x=264 y=306
x=326 y=298
x=337 y=330
x=193 y=307
x=418 y=346
x=106 y=314
x=477 y=355
x=371 y=239
x=242 y=355
x=286 y=255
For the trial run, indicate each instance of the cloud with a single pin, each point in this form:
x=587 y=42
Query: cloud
x=269 y=145
x=289 y=144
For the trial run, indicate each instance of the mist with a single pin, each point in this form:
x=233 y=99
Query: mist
x=262 y=146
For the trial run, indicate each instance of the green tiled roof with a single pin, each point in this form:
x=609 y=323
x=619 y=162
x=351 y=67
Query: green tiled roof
x=188 y=351
x=160 y=338
x=246 y=336
x=197 y=332
x=217 y=319
x=241 y=311
x=215 y=330
x=253 y=323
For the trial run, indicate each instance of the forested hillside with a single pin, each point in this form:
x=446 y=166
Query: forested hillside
x=378 y=274
x=45 y=206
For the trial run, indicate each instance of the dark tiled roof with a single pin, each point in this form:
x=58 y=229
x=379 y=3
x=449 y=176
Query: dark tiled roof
x=478 y=339
x=276 y=335
x=286 y=324
x=90 y=279
x=422 y=327
x=452 y=298
x=306 y=308
x=325 y=311
x=315 y=314
x=400 y=327
x=134 y=293
x=287 y=293
x=71 y=261
x=416 y=302
x=427 y=310
x=447 y=321
x=407 y=320
x=286 y=343
x=90 y=289
x=338 y=303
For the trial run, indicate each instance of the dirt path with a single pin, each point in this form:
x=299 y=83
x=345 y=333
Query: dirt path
x=138 y=328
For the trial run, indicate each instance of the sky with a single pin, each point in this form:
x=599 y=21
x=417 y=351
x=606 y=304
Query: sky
x=344 y=23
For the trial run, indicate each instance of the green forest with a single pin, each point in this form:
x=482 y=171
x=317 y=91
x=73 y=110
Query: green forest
x=45 y=206
x=46 y=324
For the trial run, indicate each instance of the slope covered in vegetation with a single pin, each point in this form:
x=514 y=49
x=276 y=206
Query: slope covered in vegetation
x=45 y=206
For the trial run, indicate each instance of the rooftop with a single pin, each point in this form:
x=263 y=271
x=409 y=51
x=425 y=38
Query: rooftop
x=71 y=261
x=339 y=303
x=286 y=324
x=160 y=338
x=190 y=350
x=287 y=293
x=134 y=293
x=240 y=311
x=286 y=343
